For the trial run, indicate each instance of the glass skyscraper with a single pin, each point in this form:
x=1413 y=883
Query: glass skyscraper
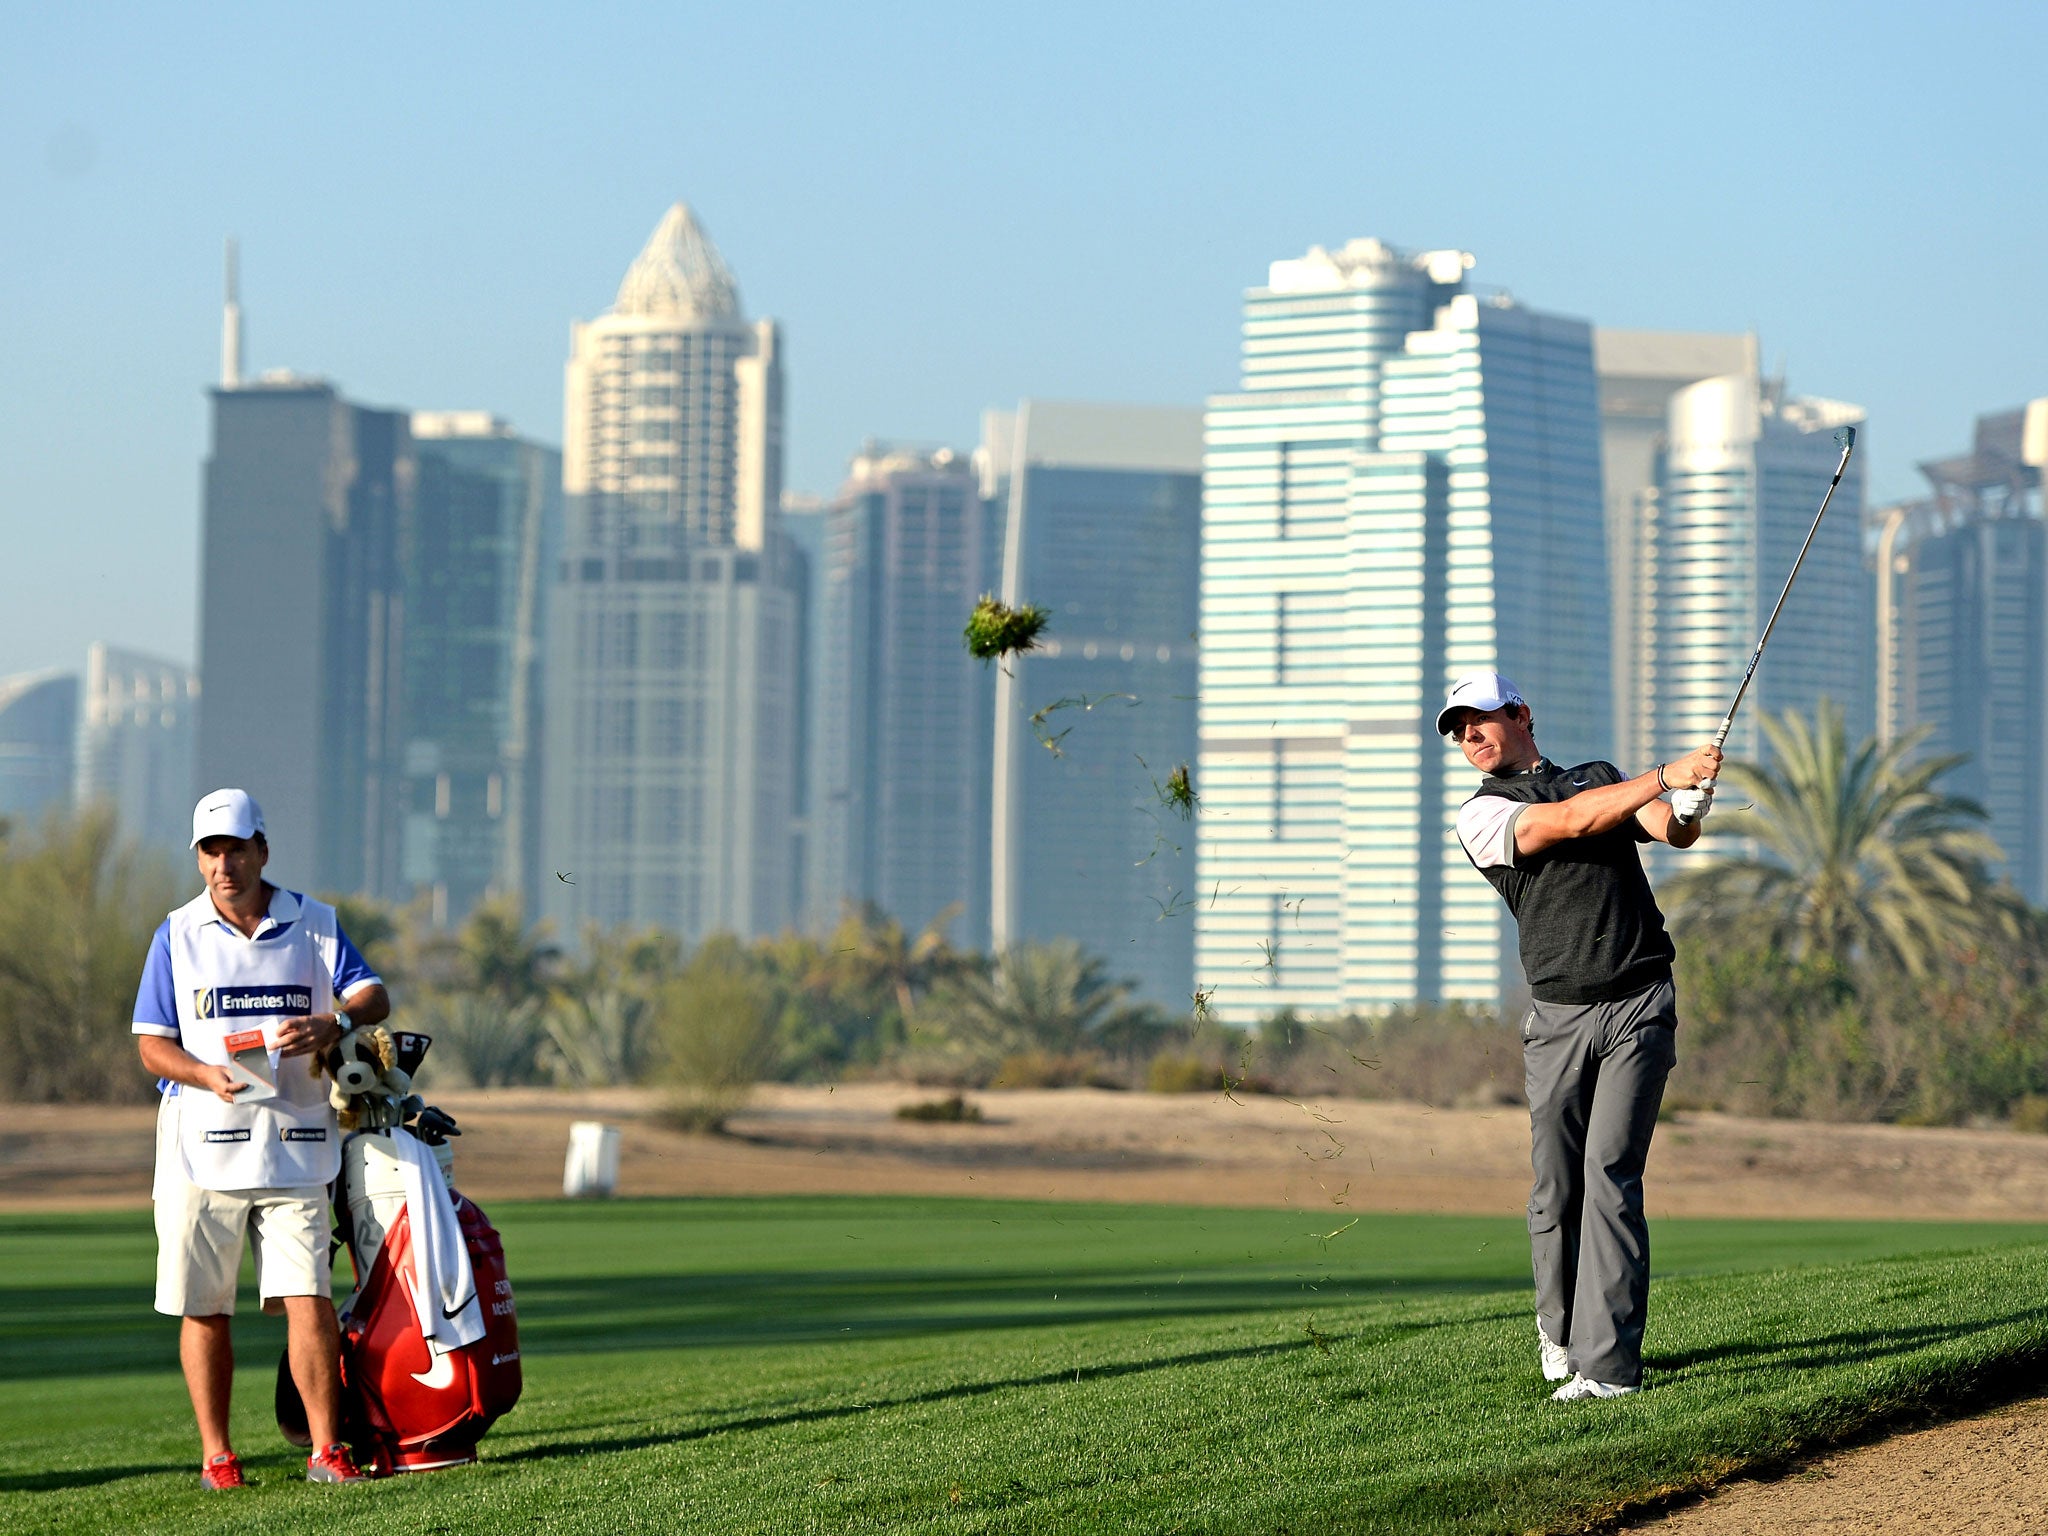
x=1100 y=508
x=1713 y=474
x=901 y=794
x=1407 y=487
x=486 y=523
x=676 y=630
x=1966 y=646
x=1744 y=468
x=1639 y=372
x=301 y=629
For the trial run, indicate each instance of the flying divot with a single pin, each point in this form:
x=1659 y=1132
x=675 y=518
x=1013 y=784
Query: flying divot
x=995 y=629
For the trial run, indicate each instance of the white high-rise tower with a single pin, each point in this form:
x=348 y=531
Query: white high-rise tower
x=1407 y=487
x=670 y=763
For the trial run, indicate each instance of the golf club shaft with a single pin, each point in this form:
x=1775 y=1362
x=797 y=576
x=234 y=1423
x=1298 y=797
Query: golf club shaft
x=1757 y=655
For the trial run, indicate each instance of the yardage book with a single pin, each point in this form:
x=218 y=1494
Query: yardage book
x=249 y=1062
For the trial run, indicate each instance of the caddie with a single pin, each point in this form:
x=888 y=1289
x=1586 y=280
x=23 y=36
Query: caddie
x=236 y=1003
x=1559 y=844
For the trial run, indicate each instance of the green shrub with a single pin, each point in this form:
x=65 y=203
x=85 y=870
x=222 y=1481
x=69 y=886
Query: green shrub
x=718 y=1032
x=77 y=909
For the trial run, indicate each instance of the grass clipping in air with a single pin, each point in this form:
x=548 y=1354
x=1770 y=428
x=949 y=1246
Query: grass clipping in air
x=1179 y=794
x=995 y=629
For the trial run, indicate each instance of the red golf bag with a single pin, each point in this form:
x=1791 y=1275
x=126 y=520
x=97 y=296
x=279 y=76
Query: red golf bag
x=406 y=1408
x=412 y=1410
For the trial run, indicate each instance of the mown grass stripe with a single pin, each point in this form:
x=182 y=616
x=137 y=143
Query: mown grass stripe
x=729 y=1366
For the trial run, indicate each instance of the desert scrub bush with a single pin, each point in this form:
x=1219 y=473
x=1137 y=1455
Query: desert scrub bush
x=2030 y=1113
x=1442 y=1054
x=954 y=1109
x=1052 y=1069
x=718 y=1035
x=1172 y=1072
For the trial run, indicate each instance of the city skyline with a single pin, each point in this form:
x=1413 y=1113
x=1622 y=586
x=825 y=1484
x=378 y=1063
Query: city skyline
x=1407 y=484
x=1773 y=179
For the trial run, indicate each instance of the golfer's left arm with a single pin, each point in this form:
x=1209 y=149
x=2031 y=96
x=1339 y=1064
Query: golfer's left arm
x=1658 y=819
x=1546 y=824
x=1680 y=822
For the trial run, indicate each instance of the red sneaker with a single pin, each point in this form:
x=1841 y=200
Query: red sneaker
x=334 y=1465
x=222 y=1472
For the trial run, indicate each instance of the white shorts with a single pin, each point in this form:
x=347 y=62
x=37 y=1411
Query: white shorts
x=199 y=1240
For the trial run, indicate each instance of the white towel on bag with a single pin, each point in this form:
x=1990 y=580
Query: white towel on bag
x=444 y=1295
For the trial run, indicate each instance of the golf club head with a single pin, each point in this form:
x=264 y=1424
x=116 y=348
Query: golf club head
x=1845 y=439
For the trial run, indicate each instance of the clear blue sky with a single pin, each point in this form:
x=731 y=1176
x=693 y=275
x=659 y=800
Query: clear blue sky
x=952 y=206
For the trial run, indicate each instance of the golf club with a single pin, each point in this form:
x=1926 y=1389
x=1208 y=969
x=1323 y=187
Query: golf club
x=1846 y=436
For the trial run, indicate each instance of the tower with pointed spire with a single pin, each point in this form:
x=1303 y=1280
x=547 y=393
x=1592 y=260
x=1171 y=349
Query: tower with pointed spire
x=675 y=647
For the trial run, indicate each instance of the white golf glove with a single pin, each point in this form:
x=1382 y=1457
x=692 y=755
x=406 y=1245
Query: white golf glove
x=1691 y=805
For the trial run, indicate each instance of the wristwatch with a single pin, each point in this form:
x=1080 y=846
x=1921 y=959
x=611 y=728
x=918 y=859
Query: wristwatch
x=340 y=1023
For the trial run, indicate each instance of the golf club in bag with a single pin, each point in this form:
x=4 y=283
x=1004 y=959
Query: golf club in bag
x=1846 y=436
x=430 y=1335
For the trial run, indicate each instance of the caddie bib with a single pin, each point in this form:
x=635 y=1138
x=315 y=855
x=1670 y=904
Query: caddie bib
x=228 y=985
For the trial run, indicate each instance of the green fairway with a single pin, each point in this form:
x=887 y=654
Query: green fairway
x=847 y=1365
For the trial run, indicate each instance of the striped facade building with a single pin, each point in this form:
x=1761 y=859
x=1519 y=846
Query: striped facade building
x=1407 y=486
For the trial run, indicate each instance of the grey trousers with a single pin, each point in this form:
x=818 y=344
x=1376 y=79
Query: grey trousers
x=1596 y=1076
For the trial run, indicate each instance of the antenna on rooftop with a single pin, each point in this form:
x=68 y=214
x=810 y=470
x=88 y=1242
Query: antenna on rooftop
x=231 y=323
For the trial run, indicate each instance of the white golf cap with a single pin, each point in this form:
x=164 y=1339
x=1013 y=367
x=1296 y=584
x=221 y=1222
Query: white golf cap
x=226 y=813
x=1482 y=691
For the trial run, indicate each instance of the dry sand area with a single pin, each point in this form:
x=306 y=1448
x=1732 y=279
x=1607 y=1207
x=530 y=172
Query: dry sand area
x=1986 y=1476
x=1983 y=1475
x=1091 y=1144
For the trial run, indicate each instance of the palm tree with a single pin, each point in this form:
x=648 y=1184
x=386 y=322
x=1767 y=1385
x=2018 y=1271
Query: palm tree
x=506 y=961
x=886 y=960
x=601 y=1017
x=1052 y=997
x=1859 y=857
x=481 y=1041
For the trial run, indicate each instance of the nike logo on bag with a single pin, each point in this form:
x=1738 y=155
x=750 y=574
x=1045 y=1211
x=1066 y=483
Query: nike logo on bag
x=1580 y=783
x=440 y=1374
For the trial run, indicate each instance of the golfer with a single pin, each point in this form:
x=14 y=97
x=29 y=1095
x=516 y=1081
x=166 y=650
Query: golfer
x=1559 y=844
x=236 y=1002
